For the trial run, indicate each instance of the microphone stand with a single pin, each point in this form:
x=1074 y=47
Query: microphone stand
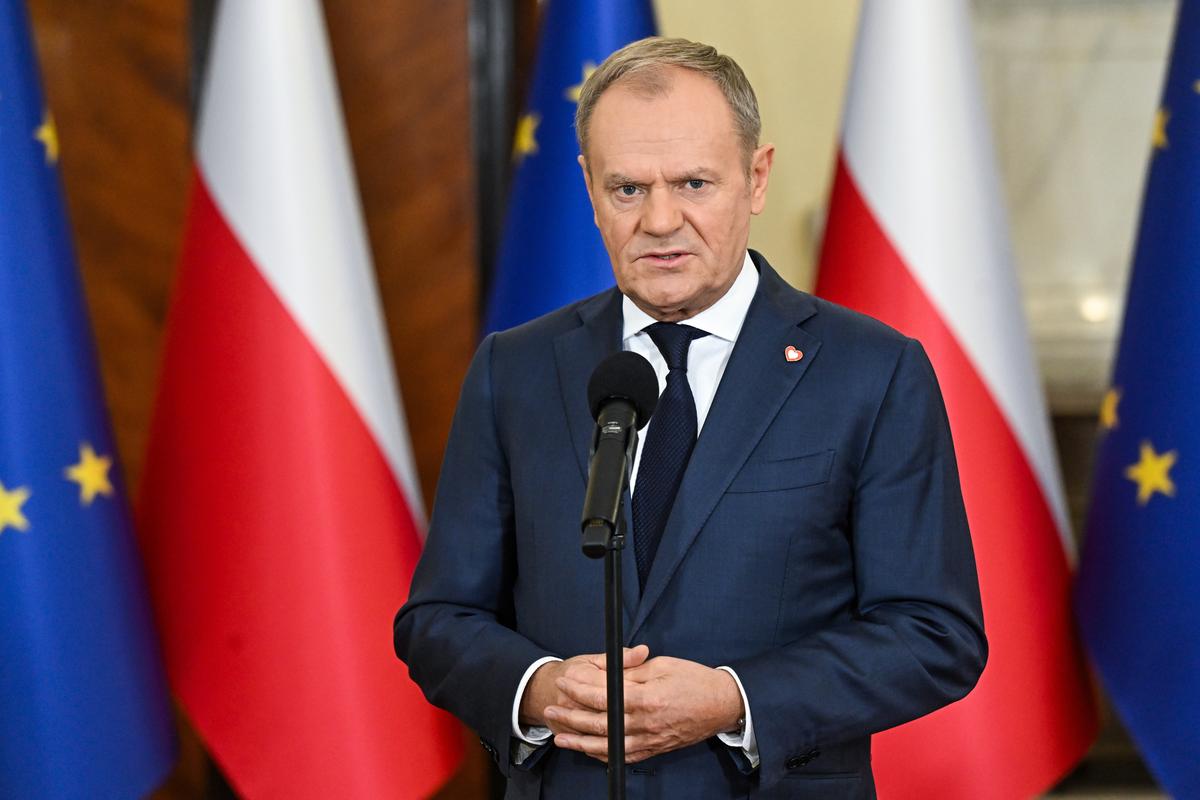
x=602 y=538
x=598 y=536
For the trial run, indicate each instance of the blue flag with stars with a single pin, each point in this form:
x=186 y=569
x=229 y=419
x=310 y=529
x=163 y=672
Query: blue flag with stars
x=84 y=709
x=1138 y=593
x=551 y=253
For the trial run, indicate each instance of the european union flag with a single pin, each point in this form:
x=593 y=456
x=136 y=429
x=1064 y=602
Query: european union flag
x=1138 y=595
x=84 y=709
x=551 y=252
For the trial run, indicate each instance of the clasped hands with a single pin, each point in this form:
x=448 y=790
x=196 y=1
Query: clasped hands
x=669 y=703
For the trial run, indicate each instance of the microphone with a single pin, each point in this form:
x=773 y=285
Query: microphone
x=622 y=394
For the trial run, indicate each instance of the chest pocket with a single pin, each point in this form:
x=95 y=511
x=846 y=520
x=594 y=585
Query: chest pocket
x=785 y=473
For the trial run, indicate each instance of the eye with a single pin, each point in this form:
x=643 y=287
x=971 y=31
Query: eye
x=696 y=183
x=627 y=190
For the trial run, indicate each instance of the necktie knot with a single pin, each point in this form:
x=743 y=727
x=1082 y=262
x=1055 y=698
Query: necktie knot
x=673 y=341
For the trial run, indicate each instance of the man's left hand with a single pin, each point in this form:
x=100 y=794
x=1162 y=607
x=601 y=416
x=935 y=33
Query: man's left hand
x=669 y=703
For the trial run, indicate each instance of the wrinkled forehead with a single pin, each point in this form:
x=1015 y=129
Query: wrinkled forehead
x=684 y=121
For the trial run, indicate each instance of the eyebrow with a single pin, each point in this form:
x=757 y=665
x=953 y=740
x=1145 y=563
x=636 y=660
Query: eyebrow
x=698 y=172
x=618 y=179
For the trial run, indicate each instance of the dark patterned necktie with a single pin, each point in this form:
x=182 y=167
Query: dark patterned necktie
x=669 y=442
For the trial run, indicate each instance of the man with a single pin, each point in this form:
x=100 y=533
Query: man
x=803 y=573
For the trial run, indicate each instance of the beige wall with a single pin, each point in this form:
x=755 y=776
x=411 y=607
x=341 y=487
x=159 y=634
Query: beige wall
x=797 y=55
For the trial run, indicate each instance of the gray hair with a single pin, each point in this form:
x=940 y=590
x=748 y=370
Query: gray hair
x=643 y=63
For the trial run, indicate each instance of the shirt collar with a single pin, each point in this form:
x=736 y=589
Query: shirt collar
x=722 y=319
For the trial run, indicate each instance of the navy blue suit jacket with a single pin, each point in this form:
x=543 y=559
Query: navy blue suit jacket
x=818 y=545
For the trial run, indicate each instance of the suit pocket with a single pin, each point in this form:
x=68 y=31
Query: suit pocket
x=786 y=473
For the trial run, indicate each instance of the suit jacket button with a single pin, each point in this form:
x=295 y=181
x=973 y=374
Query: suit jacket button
x=795 y=762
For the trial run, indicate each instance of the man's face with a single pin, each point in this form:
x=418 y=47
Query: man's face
x=670 y=192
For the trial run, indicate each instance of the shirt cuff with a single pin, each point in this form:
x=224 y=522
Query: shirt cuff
x=744 y=741
x=536 y=734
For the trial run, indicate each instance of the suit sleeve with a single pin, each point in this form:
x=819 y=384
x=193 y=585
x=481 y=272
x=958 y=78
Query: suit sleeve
x=916 y=641
x=454 y=632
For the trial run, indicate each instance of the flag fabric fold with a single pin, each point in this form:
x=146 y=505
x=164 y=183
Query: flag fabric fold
x=917 y=237
x=1136 y=596
x=83 y=697
x=280 y=510
x=551 y=253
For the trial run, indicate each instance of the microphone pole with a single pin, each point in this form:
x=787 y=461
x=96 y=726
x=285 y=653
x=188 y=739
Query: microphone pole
x=601 y=537
x=622 y=392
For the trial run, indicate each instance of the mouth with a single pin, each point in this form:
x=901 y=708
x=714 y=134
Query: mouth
x=664 y=258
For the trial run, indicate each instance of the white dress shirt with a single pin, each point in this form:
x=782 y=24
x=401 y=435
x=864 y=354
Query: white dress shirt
x=707 y=358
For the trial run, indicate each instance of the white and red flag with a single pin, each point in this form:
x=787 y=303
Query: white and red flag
x=280 y=513
x=917 y=237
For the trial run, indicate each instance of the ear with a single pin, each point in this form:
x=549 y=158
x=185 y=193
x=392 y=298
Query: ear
x=587 y=181
x=760 y=173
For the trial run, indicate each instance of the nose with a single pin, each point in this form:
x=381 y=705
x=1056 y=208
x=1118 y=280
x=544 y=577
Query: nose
x=661 y=215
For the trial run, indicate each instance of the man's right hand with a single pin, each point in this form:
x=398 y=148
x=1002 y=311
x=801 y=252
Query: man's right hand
x=542 y=690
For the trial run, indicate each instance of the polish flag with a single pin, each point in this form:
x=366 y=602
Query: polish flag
x=917 y=237
x=280 y=514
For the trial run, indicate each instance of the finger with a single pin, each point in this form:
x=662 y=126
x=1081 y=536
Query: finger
x=557 y=723
x=640 y=755
x=562 y=701
x=635 y=656
x=642 y=699
x=596 y=746
x=590 y=745
x=571 y=719
x=648 y=670
x=639 y=723
x=587 y=695
x=630 y=657
x=641 y=673
x=560 y=727
x=595 y=659
x=578 y=721
x=555 y=728
x=583 y=670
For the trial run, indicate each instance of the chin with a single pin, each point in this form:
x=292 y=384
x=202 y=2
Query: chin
x=669 y=312
x=664 y=301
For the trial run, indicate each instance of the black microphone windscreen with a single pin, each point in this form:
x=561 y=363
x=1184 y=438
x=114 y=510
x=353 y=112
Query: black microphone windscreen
x=624 y=376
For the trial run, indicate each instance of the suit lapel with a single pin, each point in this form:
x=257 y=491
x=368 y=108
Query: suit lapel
x=756 y=382
x=576 y=353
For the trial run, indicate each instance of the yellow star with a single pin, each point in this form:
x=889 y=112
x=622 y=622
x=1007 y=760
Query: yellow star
x=1108 y=409
x=524 y=140
x=1152 y=473
x=10 y=508
x=47 y=134
x=91 y=473
x=572 y=92
x=1196 y=87
x=1161 y=117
